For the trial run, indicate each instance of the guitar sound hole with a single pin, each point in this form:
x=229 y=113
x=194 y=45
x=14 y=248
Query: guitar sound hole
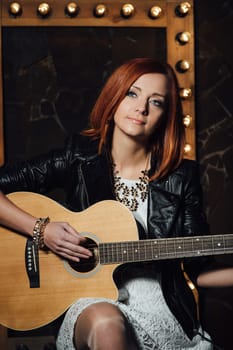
x=86 y=265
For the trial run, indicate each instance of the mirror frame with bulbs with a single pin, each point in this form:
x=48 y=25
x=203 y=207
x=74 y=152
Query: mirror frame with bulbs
x=177 y=17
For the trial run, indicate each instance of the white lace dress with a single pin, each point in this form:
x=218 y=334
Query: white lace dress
x=144 y=306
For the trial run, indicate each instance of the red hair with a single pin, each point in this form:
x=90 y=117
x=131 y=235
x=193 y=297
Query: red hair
x=168 y=141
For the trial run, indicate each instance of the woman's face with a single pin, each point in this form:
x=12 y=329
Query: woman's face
x=140 y=111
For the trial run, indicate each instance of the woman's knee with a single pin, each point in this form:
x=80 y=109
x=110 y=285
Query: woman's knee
x=97 y=321
x=99 y=314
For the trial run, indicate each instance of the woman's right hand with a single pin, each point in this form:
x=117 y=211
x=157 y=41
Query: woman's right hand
x=60 y=237
x=65 y=241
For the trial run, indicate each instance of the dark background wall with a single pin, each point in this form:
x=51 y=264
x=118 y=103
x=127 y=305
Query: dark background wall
x=214 y=89
x=60 y=99
x=214 y=59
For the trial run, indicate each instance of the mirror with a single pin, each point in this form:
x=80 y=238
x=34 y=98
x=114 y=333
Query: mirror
x=56 y=56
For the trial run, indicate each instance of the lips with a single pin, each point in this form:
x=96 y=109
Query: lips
x=137 y=120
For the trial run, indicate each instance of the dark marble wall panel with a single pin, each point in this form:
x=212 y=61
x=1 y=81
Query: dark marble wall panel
x=214 y=34
x=52 y=77
x=214 y=77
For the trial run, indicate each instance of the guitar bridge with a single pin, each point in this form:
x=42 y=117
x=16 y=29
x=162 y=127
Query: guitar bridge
x=32 y=263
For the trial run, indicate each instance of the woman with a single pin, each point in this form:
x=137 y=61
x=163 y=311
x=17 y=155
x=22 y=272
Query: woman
x=133 y=153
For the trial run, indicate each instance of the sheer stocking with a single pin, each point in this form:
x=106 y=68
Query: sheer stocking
x=102 y=326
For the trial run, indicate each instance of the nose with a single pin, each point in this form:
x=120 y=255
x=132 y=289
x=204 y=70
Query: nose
x=142 y=108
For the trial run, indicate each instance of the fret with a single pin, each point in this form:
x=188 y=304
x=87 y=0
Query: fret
x=120 y=255
x=146 y=243
x=228 y=243
x=145 y=255
x=218 y=242
x=102 y=253
x=133 y=248
x=166 y=248
x=159 y=250
x=167 y=253
x=137 y=252
x=140 y=250
x=212 y=240
x=127 y=252
x=111 y=252
x=208 y=245
x=192 y=245
x=155 y=250
x=151 y=251
x=133 y=251
x=108 y=256
x=179 y=246
x=124 y=252
x=197 y=246
x=162 y=248
x=118 y=245
x=130 y=251
x=118 y=252
x=189 y=247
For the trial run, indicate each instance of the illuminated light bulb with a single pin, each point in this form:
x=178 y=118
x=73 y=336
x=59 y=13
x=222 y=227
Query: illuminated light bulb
x=44 y=9
x=187 y=120
x=187 y=148
x=183 y=38
x=15 y=9
x=72 y=9
x=182 y=66
x=183 y=9
x=100 y=10
x=185 y=93
x=127 y=10
x=155 y=12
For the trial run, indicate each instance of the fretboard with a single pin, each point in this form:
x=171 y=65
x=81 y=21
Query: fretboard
x=166 y=248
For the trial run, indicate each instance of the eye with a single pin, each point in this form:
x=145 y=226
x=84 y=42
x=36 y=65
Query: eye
x=156 y=102
x=131 y=93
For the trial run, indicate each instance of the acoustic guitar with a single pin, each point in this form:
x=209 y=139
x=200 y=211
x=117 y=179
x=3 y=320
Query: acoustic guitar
x=36 y=287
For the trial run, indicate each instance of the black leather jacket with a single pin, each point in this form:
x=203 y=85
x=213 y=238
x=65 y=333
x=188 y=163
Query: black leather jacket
x=174 y=207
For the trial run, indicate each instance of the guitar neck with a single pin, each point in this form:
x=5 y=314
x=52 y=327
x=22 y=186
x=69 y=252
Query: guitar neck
x=166 y=248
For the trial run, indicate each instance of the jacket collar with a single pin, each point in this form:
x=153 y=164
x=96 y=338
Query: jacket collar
x=98 y=178
x=163 y=206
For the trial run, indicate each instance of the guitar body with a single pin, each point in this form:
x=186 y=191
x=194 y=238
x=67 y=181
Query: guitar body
x=25 y=308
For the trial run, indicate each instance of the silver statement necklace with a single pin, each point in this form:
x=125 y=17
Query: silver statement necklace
x=131 y=195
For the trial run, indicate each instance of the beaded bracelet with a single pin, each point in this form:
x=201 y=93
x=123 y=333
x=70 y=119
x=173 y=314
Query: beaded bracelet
x=38 y=232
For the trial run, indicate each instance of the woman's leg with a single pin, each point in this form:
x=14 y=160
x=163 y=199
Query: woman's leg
x=102 y=326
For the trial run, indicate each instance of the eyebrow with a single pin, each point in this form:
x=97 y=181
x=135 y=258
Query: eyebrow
x=153 y=94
